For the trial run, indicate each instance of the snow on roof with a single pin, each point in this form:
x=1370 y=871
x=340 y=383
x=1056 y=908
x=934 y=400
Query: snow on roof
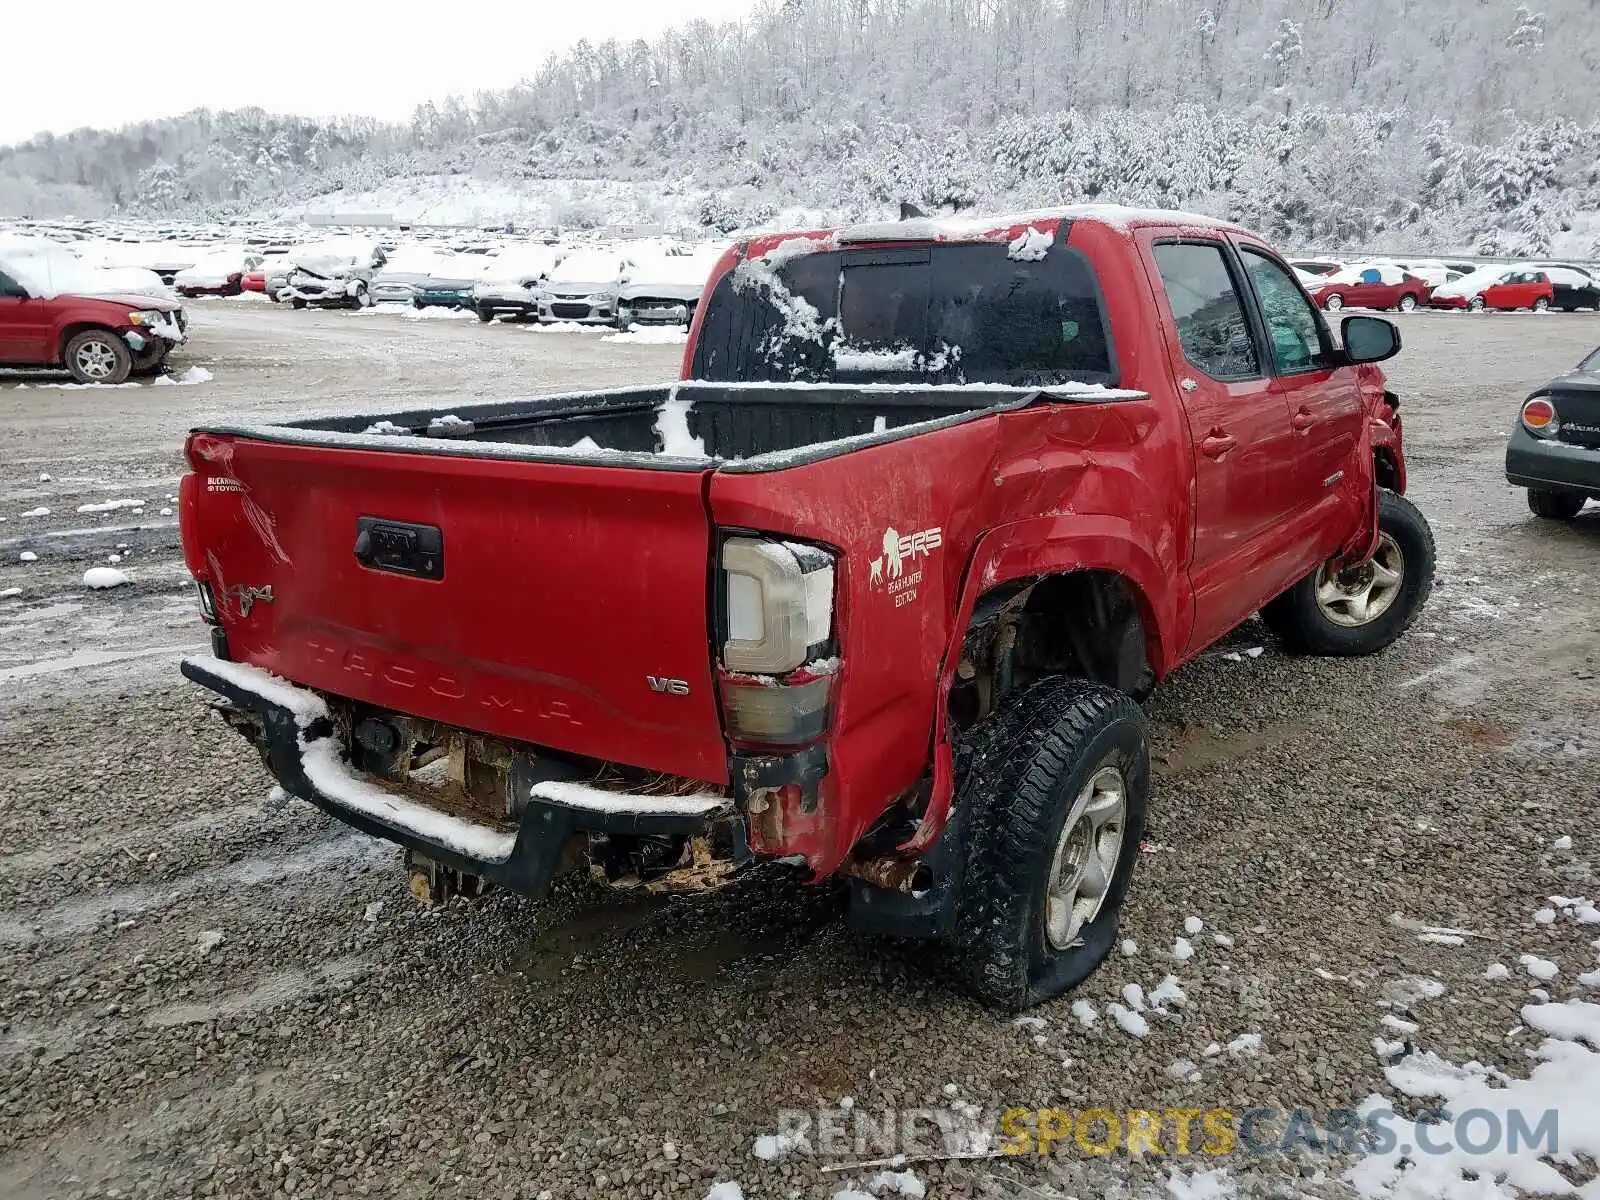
x=1007 y=225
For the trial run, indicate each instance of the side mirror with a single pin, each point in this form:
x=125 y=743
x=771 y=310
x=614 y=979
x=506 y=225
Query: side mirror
x=1369 y=339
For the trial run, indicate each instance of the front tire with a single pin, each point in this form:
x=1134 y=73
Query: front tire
x=1333 y=303
x=485 y=314
x=1361 y=609
x=1408 y=303
x=1054 y=788
x=99 y=356
x=1553 y=505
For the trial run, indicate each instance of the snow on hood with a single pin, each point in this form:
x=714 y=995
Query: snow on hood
x=1472 y=283
x=593 y=269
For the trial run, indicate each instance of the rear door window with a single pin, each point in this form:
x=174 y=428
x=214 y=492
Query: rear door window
x=925 y=314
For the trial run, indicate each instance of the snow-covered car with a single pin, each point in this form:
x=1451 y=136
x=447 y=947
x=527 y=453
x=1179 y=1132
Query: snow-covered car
x=1574 y=287
x=57 y=312
x=665 y=289
x=585 y=287
x=219 y=273
x=1501 y=287
x=1431 y=271
x=1371 y=285
x=404 y=273
x=334 y=274
x=450 y=283
x=512 y=282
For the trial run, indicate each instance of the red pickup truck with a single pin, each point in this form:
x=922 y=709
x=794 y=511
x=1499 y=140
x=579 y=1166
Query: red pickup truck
x=876 y=588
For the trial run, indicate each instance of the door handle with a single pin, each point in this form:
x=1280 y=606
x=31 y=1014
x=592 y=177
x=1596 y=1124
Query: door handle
x=1302 y=420
x=1217 y=444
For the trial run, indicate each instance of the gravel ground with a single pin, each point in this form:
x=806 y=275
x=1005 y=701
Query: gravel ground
x=204 y=992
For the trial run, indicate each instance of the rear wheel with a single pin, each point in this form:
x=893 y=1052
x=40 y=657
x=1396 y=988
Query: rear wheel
x=1554 y=505
x=1475 y=304
x=99 y=356
x=363 y=297
x=1408 y=303
x=1333 y=303
x=1361 y=609
x=485 y=313
x=1054 y=789
x=1541 y=305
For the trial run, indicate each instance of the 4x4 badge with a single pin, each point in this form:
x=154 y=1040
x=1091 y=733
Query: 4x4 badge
x=246 y=596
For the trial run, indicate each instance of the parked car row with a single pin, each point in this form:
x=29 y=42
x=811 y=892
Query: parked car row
x=644 y=283
x=1434 y=283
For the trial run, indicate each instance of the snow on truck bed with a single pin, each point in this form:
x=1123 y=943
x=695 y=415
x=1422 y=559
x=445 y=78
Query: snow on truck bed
x=869 y=414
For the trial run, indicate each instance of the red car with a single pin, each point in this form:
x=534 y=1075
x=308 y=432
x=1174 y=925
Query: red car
x=1380 y=286
x=99 y=338
x=220 y=273
x=254 y=280
x=780 y=611
x=1503 y=288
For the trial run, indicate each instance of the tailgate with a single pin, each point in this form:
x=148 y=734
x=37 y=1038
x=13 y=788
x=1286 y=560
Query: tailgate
x=567 y=604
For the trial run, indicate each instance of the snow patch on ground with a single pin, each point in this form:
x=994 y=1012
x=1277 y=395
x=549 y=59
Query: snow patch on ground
x=192 y=376
x=1566 y=1066
x=104 y=577
x=650 y=335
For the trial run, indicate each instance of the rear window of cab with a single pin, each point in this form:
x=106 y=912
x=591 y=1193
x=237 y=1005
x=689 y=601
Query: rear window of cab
x=933 y=314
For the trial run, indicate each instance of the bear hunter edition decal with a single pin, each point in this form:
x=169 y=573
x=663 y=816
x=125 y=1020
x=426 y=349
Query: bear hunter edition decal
x=897 y=569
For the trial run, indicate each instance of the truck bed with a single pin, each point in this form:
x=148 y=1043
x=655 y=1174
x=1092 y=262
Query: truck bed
x=672 y=427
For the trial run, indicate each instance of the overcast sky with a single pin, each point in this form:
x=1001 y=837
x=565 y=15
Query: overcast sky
x=107 y=64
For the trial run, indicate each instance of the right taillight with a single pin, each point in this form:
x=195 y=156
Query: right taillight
x=1539 y=417
x=777 y=662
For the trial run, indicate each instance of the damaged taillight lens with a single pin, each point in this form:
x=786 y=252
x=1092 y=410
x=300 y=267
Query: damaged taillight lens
x=777 y=604
x=763 y=711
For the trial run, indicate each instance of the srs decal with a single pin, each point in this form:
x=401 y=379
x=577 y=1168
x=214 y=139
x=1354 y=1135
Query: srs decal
x=897 y=570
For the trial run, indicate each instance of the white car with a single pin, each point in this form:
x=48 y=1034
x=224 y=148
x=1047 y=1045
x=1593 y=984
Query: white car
x=512 y=283
x=586 y=287
x=665 y=289
x=335 y=274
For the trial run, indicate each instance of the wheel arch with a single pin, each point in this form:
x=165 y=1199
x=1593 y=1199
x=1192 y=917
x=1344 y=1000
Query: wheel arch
x=73 y=329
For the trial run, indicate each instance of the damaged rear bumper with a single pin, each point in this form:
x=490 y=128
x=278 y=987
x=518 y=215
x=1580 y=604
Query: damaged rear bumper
x=305 y=752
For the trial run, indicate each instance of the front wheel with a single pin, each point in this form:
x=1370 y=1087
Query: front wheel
x=1333 y=303
x=99 y=356
x=1553 y=505
x=297 y=304
x=485 y=313
x=363 y=298
x=1053 y=791
x=1361 y=609
x=1408 y=304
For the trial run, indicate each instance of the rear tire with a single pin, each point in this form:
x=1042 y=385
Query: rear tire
x=1408 y=303
x=1362 y=609
x=485 y=314
x=1333 y=303
x=1553 y=505
x=98 y=356
x=1053 y=788
x=1475 y=304
x=1541 y=305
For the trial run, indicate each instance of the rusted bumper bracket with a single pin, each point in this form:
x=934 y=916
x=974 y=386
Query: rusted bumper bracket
x=543 y=833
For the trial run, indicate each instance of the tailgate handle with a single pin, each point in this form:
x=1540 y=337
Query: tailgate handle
x=400 y=547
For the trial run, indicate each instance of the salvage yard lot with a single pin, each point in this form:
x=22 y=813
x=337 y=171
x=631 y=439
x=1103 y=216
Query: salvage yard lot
x=205 y=991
